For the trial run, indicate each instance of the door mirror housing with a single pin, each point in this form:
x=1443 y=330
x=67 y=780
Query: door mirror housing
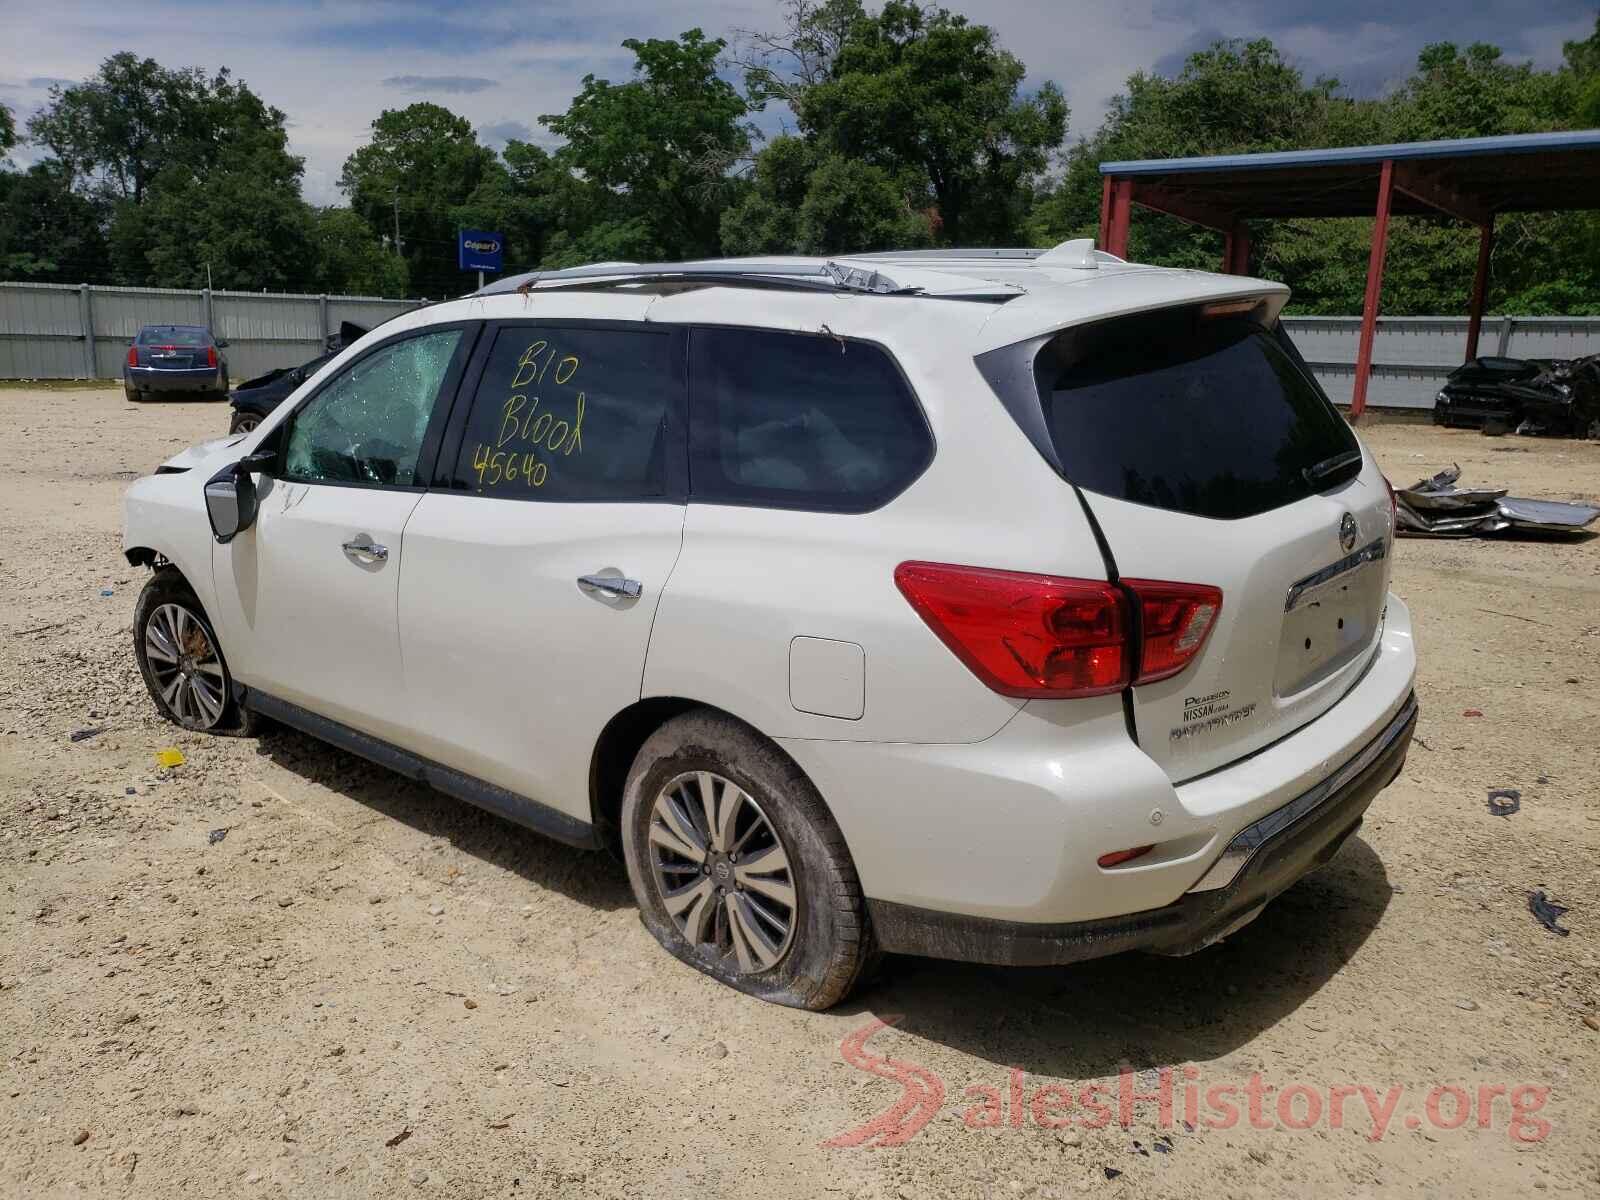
x=231 y=504
x=222 y=343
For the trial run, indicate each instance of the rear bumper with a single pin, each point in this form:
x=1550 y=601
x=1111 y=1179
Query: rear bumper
x=154 y=379
x=1261 y=861
x=1004 y=834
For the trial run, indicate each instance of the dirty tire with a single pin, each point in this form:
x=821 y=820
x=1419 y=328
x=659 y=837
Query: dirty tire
x=133 y=395
x=243 y=422
x=831 y=948
x=168 y=587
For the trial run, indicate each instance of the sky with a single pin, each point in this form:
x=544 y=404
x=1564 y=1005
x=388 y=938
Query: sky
x=333 y=66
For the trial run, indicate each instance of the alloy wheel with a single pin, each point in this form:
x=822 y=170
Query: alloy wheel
x=722 y=872
x=186 y=666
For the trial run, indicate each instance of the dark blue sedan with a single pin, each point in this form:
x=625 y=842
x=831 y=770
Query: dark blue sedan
x=175 y=358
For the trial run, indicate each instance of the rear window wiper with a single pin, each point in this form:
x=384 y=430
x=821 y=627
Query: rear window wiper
x=1329 y=467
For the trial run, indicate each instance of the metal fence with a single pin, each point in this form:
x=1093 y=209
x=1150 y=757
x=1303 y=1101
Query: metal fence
x=62 y=331
x=1411 y=356
x=66 y=331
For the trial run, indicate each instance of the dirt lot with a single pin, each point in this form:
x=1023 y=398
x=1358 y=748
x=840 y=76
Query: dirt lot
x=366 y=988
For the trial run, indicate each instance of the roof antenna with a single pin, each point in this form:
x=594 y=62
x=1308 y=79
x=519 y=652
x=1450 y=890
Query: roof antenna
x=1077 y=254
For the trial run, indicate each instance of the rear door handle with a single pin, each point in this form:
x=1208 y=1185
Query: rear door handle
x=612 y=585
x=367 y=552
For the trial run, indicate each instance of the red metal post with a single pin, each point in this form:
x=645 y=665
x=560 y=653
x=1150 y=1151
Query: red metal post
x=1480 y=288
x=1236 y=250
x=1121 y=203
x=1105 y=212
x=1369 y=310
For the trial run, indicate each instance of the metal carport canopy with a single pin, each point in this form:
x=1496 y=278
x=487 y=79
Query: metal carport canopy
x=1470 y=179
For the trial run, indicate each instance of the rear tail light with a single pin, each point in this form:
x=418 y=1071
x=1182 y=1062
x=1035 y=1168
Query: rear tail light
x=1022 y=634
x=1174 y=621
x=1045 y=637
x=211 y=356
x=133 y=356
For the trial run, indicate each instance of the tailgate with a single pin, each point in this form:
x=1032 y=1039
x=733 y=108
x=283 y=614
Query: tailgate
x=1300 y=617
x=1207 y=454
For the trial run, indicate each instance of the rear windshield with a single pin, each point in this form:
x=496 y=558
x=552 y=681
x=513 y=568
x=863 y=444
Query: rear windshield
x=171 y=335
x=1203 y=415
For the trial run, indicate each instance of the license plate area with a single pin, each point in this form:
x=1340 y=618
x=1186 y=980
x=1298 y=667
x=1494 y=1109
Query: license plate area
x=1330 y=618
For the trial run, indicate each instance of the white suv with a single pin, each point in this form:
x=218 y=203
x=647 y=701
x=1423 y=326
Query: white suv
x=990 y=605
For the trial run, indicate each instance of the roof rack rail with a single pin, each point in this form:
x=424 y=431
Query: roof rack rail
x=951 y=254
x=1078 y=252
x=825 y=276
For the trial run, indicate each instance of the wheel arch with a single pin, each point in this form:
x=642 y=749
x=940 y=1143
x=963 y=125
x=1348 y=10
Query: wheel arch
x=619 y=744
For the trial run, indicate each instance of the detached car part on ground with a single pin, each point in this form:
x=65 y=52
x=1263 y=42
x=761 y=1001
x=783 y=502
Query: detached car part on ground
x=163 y=359
x=255 y=398
x=994 y=605
x=1550 y=397
x=1436 y=507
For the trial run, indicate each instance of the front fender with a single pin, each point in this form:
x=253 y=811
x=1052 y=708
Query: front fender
x=165 y=515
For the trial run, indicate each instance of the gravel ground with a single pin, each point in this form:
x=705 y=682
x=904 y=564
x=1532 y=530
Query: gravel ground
x=364 y=988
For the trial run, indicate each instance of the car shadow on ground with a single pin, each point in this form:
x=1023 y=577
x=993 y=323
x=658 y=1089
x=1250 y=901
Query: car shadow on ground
x=1087 y=1020
x=1081 y=1021
x=591 y=878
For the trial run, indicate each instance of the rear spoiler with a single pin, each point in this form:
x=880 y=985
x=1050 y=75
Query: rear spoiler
x=1108 y=294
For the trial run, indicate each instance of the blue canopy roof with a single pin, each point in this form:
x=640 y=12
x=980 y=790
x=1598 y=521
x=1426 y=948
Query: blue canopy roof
x=1517 y=173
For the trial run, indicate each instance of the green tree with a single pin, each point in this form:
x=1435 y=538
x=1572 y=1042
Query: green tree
x=656 y=152
x=121 y=128
x=514 y=200
x=920 y=93
x=1582 y=68
x=189 y=169
x=8 y=129
x=1473 y=93
x=47 y=232
x=809 y=201
x=349 y=259
x=1231 y=97
x=428 y=161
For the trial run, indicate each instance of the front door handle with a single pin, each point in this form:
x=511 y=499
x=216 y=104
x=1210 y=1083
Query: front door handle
x=612 y=585
x=367 y=552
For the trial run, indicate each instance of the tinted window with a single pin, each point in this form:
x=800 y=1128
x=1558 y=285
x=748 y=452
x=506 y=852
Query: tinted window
x=573 y=412
x=792 y=420
x=174 y=335
x=1200 y=415
x=367 y=425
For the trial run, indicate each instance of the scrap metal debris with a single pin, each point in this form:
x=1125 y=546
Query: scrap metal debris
x=1504 y=801
x=216 y=835
x=83 y=735
x=1436 y=507
x=1548 y=912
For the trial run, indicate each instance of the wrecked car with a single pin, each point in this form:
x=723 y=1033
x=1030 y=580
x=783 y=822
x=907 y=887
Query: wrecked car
x=255 y=398
x=1549 y=397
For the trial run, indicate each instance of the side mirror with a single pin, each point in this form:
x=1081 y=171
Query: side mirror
x=222 y=343
x=231 y=499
